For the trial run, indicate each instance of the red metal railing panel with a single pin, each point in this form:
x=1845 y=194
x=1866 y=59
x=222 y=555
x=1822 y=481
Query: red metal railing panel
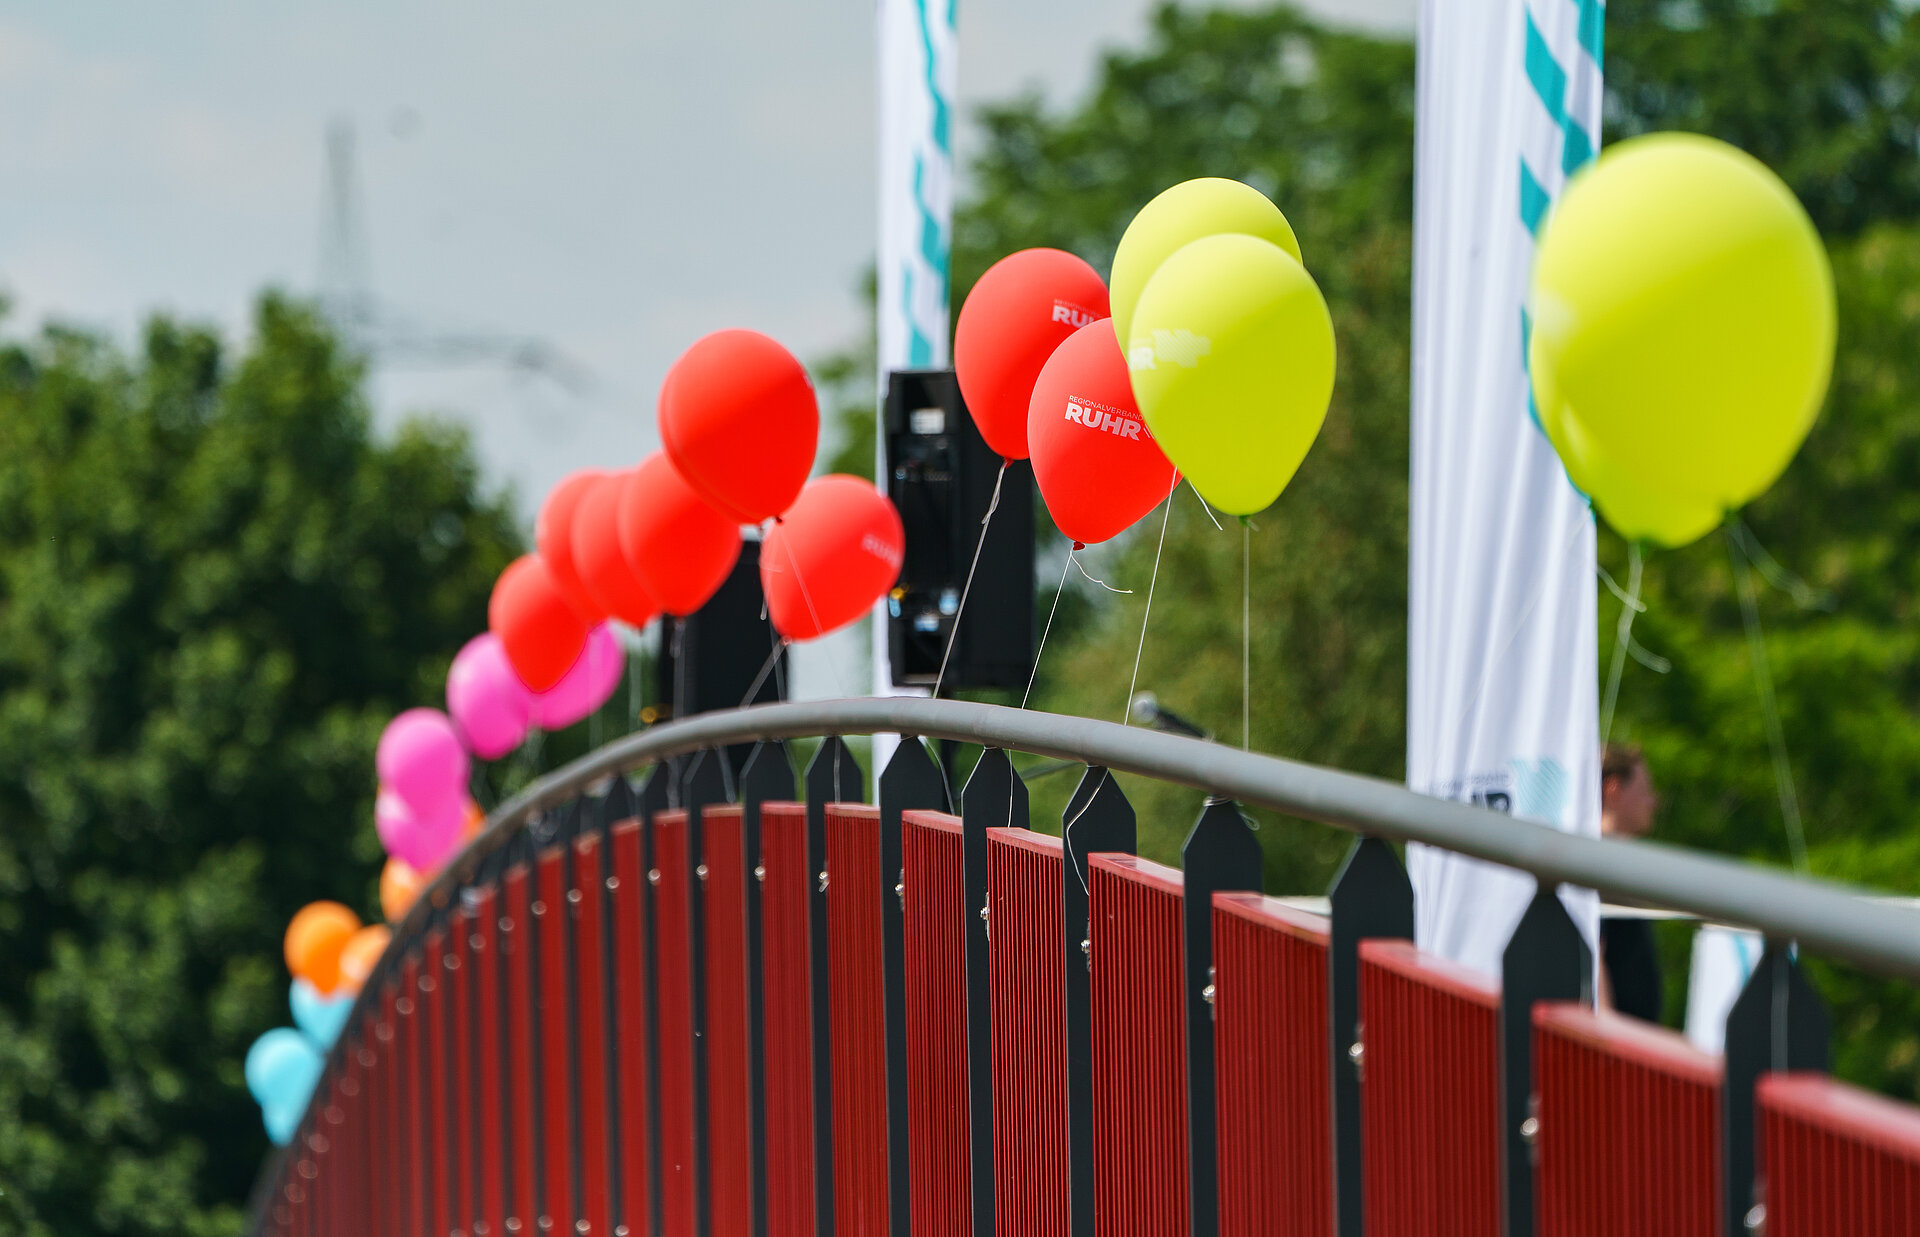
x=1029 y=1046
x=392 y=1121
x=1429 y=1094
x=624 y=891
x=936 y=1001
x=1629 y=1127
x=1271 y=1068
x=587 y=900
x=434 y=1068
x=457 y=975
x=516 y=942
x=729 y=1094
x=673 y=910
x=490 y=1117
x=858 y=1019
x=1838 y=1161
x=1139 y=1048
x=787 y=1018
x=556 y=1046
x=413 y=1150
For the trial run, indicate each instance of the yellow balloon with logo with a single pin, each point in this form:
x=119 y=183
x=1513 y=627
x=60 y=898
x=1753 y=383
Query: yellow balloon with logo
x=1179 y=216
x=1683 y=332
x=1232 y=357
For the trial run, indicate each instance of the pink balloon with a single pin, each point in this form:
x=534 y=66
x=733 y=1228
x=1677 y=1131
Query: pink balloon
x=421 y=759
x=422 y=842
x=587 y=686
x=490 y=705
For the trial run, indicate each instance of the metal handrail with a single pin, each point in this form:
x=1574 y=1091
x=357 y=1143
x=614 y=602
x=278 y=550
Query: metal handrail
x=1831 y=919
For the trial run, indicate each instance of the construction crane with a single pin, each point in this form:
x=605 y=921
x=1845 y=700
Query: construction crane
x=388 y=336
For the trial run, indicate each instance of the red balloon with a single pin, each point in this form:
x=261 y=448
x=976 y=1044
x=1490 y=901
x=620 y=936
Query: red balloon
x=603 y=565
x=1023 y=308
x=739 y=419
x=835 y=553
x=552 y=536
x=677 y=544
x=534 y=622
x=1096 y=462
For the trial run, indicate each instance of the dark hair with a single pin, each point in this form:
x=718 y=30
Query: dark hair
x=1619 y=760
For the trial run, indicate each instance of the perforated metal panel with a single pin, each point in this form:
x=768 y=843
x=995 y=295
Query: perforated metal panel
x=787 y=1014
x=625 y=890
x=1271 y=1072
x=587 y=901
x=673 y=962
x=1838 y=1161
x=1429 y=1094
x=558 y=1150
x=1139 y=1048
x=936 y=975
x=1024 y=945
x=516 y=942
x=729 y=1100
x=1629 y=1127
x=854 y=974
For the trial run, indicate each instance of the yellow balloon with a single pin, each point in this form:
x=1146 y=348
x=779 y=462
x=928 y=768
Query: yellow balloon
x=1636 y=512
x=1232 y=358
x=1185 y=213
x=1683 y=327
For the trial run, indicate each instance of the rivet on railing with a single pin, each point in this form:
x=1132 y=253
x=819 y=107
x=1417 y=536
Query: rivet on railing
x=1357 y=1053
x=1207 y=993
x=1756 y=1219
x=613 y=882
x=653 y=876
x=1086 y=949
x=823 y=880
x=574 y=896
x=451 y=962
x=513 y=1224
x=760 y=872
x=403 y=1006
x=986 y=917
x=620 y=1230
x=478 y=944
x=581 y=1226
x=701 y=871
x=481 y=1228
x=545 y=1223
x=334 y=1114
x=1530 y=1131
x=318 y=1142
x=366 y=1054
x=900 y=887
x=426 y=983
x=349 y=1086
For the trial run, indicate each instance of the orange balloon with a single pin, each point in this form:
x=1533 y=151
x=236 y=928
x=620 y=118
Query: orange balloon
x=400 y=884
x=474 y=822
x=362 y=952
x=314 y=940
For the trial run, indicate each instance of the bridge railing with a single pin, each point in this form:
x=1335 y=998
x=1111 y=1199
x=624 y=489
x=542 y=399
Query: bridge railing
x=714 y=1002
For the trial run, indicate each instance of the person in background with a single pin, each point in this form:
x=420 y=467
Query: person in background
x=1630 y=980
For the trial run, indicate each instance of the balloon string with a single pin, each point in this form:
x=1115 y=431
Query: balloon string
x=766 y=668
x=1804 y=595
x=1769 y=709
x=1207 y=507
x=1140 y=648
x=806 y=595
x=1055 y=609
x=1077 y=565
x=979 y=543
x=1630 y=605
x=1066 y=830
x=1246 y=633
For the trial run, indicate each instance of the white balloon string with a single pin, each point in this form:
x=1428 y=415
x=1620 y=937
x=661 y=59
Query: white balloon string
x=1769 y=708
x=1127 y=708
x=1053 y=610
x=1630 y=605
x=766 y=668
x=800 y=579
x=1804 y=595
x=1066 y=830
x=1075 y=563
x=1206 y=507
x=992 y=506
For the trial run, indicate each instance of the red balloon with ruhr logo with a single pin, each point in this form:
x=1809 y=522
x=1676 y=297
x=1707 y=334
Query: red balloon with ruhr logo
x=1026 y=305
x=831 y=557
x=1095 y=461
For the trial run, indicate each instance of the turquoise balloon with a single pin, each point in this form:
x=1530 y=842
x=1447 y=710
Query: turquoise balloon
x=281 y=1121
x=321 y=1018
x=282 y=1068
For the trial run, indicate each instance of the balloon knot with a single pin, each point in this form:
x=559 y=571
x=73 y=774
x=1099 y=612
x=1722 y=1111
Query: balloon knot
x=1079 y=546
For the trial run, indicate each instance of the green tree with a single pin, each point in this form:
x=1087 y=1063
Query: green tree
x=216 y=585
x=1322 y=120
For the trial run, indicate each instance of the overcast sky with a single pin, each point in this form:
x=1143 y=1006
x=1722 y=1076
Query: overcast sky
x=615 y=178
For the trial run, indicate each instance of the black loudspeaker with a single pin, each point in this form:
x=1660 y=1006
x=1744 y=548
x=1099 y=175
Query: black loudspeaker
x=711 y=660
x=941 y=475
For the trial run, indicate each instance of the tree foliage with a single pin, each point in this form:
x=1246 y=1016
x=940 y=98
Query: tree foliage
x=215 y=587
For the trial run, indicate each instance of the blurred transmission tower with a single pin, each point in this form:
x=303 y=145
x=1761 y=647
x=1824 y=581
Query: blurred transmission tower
x=385 y=335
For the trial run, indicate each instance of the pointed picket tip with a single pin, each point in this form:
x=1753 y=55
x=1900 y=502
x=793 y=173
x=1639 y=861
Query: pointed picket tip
x=1098 y=818
x=703 y=779
x=619 y=803
x=1548 y=943
x=768 y=773
x=912 y=777
x=1372 y=874
x=995 y=796
x=1222 y=840
x=834 y=775
x=656 y=792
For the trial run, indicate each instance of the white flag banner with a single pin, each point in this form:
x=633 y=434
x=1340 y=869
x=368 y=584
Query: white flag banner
x=1502 y=705
x=918 y=49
